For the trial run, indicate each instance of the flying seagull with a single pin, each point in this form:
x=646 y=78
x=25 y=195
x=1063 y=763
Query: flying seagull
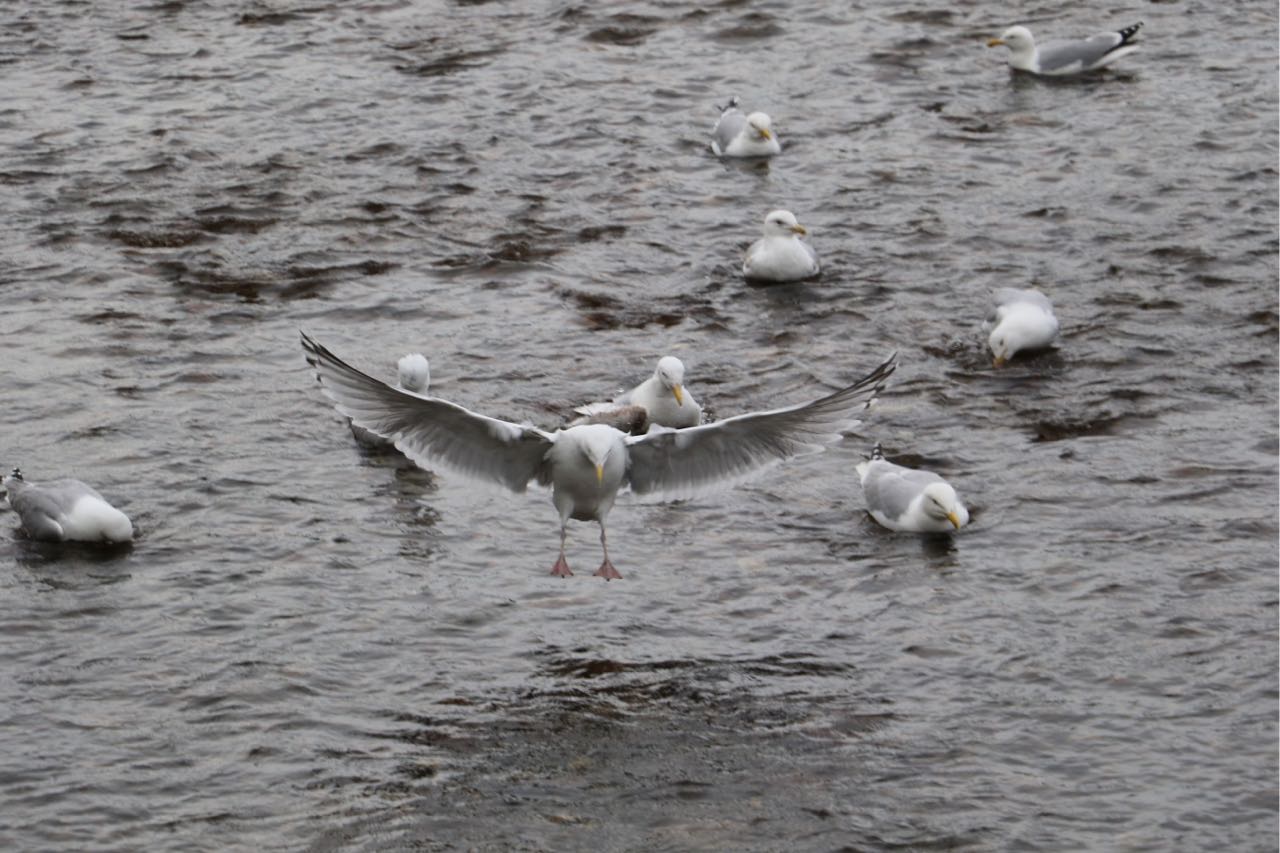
x=586 y=466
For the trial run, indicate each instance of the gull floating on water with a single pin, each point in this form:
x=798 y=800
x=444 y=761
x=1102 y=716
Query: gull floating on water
x=739 y=135
x=780 y=255
x=907 y=499
x=1058 y=58
x=413 y=373
x=62 y=510
x=1021 y=321
x=586 y=466
x=662 y=399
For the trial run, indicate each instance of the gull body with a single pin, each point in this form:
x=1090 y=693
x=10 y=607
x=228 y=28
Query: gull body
x=65 y=510
x=413 y=374
x=780 y=255
x=1059 y=58
x=586 y=466
x=739 y=135
x=662 y=398
x=1020 y=321
x=910 y=500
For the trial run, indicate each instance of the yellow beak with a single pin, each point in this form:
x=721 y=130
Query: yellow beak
x=954 y=519
x=799 y=229
x=679 y=392
x=599 y=475
x=764 y=131
x=999 y=361
x=994 y=42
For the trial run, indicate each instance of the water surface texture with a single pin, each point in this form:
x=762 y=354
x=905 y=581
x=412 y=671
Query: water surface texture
x=314 y=647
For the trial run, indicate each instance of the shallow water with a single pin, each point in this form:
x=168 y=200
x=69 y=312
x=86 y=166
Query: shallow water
x=315 y=647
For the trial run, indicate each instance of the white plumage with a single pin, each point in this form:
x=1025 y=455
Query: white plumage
x=65 y=510
x=780 y=255
x=586 y=466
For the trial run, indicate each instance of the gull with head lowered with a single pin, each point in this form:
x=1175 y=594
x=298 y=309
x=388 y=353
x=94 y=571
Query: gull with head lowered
x=1020 y=321
x=65 y=510
x=586 y=466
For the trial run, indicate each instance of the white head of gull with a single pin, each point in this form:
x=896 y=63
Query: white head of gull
x=586 y=466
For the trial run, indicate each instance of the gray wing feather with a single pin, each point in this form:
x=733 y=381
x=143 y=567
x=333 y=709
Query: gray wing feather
x=41 y=507
x=685 y=462
x=731 y=123
x=890 y=489
x=1056 y=55
x=433 y=431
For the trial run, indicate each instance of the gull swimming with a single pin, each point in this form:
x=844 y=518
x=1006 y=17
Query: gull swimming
x=907 y=499
x=780 y=255
x=62 y=510
x=413 y=373
x=586 y=466
x=661 y=399
x=1020 y=321
x=1058 y=58
x=739 y=135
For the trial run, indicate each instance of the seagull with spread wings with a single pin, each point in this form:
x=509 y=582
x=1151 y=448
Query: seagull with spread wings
x=586 y=466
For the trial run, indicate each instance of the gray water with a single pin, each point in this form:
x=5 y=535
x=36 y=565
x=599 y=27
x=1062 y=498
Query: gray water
x=314 y=647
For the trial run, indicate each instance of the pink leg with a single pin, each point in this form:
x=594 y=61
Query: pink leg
x=606 y=570
x=561 y=568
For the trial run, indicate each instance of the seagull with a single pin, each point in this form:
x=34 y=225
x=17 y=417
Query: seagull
x=738 y=135
x=780 y=255
x=413 y=373
x=586 y=466
x=1058 y=58
x=1020 y=321
x=906 y=499
x=62 y=510
x=662 y=399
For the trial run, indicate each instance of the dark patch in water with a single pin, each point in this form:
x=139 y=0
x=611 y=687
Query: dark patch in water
x=155 y=239
x=624 y=36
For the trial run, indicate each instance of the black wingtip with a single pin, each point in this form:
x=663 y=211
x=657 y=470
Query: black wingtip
x=1129 y=32
x=876 y=452
x=730 y=104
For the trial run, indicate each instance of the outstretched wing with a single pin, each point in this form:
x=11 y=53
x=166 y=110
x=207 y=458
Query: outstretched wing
x=433 y=431
x=683 y=462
